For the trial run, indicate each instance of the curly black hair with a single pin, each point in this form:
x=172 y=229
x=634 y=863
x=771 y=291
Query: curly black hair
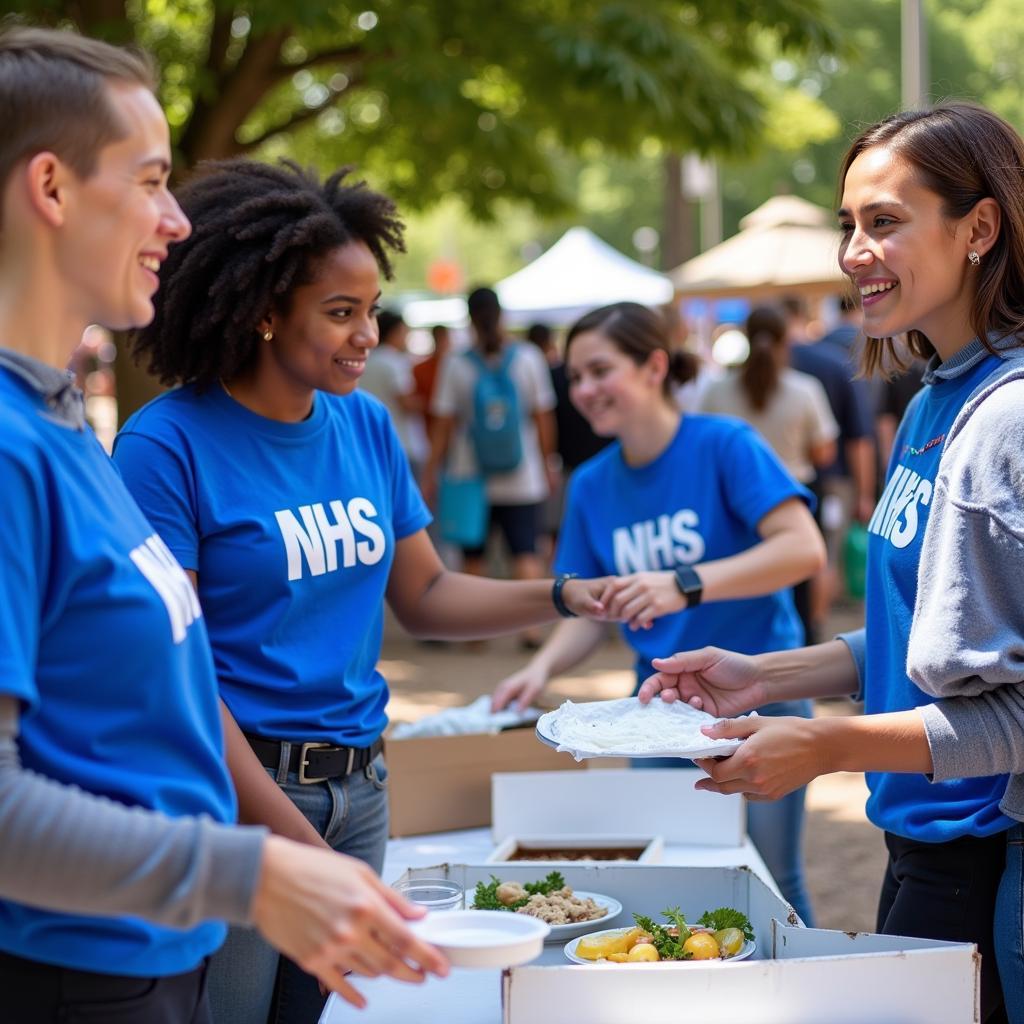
x=258 y=232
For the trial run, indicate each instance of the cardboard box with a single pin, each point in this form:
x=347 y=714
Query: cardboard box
x=642 y=850
x=442 y=783
x=656 y=802
x=796 y=975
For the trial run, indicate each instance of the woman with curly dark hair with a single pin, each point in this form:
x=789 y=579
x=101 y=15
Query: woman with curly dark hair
x=285 y=494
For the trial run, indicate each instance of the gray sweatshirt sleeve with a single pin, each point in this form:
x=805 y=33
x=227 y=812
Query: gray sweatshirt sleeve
x=62 y=848
x=967 y=639
x=856 y=641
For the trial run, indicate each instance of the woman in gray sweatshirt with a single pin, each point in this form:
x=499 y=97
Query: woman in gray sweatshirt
x=933 y=238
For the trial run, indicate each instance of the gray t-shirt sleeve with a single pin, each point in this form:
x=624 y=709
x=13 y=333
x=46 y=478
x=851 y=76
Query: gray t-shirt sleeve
x=856 y=641
x=967 y=639
x=62 y=848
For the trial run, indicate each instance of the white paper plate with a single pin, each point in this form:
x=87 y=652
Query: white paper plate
x=746 y=949
x=483 y=938
x=674 y=728
x=561 y=932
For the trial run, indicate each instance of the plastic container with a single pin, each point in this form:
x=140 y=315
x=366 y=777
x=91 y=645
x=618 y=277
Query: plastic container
x=433 y=893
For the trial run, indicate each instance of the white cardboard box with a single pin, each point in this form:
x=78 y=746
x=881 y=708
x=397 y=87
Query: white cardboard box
x=650 y=848
x=658 y=802
x=795 y=976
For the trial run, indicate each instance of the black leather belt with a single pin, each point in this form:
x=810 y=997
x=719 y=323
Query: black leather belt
x=315 y=762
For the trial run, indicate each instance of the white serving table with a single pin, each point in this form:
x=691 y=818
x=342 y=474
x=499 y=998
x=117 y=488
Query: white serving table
x=474 y=997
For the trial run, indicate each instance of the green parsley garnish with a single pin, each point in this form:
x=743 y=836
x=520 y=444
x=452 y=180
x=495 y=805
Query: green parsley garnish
x=669 y=947
x=726 y=917
x=486 y=895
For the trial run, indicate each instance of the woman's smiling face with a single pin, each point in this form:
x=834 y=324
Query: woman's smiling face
x=608 y=387
x=323 y=339
x=907 y=259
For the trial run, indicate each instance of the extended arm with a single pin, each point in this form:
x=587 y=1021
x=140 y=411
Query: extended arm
x=62 y=848
x=431 y=601
x=570 y=643
x=790 y=550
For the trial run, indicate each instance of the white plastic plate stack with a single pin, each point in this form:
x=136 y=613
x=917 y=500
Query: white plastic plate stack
x=627 y=728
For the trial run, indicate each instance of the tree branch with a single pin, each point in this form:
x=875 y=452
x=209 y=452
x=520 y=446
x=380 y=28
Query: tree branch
x=339 y=55
x=300 y=117
x=240 y=90
x=220 y=40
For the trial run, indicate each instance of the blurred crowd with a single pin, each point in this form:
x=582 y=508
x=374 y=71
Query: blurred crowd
x=788 y=370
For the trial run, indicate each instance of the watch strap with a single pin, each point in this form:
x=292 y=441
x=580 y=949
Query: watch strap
x=556 y=594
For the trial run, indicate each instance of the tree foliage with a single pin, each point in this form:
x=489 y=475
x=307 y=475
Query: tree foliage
x=437 y=98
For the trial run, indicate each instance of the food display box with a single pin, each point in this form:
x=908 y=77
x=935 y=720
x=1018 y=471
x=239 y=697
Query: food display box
x=559 y=851
x=614 y=804
x=795 y=975
x=443 y=783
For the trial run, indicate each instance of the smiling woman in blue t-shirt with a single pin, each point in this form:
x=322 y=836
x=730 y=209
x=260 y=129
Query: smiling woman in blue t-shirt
x=285 y=494
x=932 y=222
x=701 y=519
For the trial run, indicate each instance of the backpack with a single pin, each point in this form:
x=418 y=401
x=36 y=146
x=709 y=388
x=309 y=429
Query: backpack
x=495 y=427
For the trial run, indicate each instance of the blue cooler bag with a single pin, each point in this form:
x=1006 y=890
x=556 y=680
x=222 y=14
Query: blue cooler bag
x=462 y=511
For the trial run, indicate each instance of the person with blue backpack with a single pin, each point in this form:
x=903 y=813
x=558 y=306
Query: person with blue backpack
x=494 y=430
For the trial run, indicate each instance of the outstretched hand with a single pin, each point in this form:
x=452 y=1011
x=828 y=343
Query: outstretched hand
x=522 y=687
x=778 y=755
x=719 y=682
x=331 y=914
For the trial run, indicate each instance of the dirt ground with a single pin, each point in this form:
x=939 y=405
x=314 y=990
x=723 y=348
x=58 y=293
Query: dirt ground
x=844 y=853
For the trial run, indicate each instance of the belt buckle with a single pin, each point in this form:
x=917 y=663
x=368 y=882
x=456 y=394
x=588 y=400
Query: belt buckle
x=304 y=762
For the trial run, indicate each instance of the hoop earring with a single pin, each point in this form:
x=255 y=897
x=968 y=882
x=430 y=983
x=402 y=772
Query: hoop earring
x=268 y=334
x=973 y=258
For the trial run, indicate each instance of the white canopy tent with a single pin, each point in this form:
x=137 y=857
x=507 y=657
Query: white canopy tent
x=578 y=273
x=785 y=245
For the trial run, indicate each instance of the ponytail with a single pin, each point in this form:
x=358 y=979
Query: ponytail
x=760 y=373
x=682 y=367
x=485 y=316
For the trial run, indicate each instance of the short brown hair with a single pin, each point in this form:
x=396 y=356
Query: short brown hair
x=963 y=153
x=53 y=95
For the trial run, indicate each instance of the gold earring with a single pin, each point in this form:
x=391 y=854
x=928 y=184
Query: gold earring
x=973 y=258
x=268 y=335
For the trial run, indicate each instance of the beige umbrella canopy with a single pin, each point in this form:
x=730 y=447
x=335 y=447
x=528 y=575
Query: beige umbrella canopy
x=787 y=245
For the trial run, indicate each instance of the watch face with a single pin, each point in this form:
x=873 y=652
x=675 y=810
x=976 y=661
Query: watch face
x=689 y=584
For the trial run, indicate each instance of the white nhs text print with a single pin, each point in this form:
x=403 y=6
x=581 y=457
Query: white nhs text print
x=897 y=516
x=658 y=543
x=168 y=579
x=315 y=539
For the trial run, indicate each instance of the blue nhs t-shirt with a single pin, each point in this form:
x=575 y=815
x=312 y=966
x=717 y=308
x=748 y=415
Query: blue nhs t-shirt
x=701 y=499
x=291 y=528
x=910 y=805
x=102 y=642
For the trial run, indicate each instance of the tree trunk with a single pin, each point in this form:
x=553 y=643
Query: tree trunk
x=677 y=241
x=135 y=387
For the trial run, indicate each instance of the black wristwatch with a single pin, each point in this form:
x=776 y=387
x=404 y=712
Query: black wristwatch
x=689 y=584
x=556 y=595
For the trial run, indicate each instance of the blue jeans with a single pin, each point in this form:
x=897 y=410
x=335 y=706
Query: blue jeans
x=1009 y=927
x=249 y=982
x=776 y=827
